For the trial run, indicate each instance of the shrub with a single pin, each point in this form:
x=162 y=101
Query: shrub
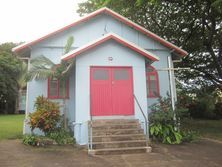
x=218 y=110
x=46 y=116
x=29 y=140
x=189 y=136
x=164 y=122
x=165 y=133
x=35 y=140
x=203 y=107
x=61 y=136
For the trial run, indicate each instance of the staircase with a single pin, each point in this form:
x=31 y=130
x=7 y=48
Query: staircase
x=118 y=136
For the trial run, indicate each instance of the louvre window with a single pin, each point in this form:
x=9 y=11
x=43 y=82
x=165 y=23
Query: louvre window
x=58 y=88
x=152 y=82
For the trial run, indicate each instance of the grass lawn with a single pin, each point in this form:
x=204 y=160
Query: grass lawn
x=206 y=128
x=11 y=126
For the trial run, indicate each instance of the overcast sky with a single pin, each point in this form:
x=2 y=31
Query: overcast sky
x=24 y=20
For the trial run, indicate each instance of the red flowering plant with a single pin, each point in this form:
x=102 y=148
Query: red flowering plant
x=46 y=116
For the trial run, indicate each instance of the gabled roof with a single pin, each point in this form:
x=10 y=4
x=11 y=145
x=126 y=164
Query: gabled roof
x=105 y=38
x=115 y=15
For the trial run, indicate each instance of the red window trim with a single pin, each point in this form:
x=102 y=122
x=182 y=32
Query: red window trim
x=58 y=96
x=153 y=73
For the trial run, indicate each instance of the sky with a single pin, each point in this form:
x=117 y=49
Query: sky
x=24 y=20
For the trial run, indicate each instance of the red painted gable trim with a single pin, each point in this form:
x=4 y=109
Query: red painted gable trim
x=120 y=18
x=72 y=55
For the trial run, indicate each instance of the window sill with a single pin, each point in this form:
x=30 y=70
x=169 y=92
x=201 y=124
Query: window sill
x=153 y=97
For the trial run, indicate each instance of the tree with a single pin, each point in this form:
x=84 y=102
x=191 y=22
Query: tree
x=196 y=26
x=10 y=72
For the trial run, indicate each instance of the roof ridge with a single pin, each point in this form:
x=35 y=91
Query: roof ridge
x=115 y=15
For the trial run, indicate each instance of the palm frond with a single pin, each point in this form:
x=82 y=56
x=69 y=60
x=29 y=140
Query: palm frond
x=42 y=61
x=68 y=45
x=41 y=68
x=21 y=80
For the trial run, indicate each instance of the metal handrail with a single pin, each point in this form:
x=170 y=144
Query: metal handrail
x=145 y=118
x=90 y=125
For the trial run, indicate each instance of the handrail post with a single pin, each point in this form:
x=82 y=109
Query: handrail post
x=90 y=123
x=146 y=120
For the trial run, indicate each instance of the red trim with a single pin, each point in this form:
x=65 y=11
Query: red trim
x=149 y=56
x=148 y=75
x=117 y=16
x=57 y=91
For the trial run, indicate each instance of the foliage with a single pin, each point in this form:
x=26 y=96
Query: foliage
x=35 y=140
x=61 y=136
x=42 y=67
x=198 y=27
x=189 y=135
x=29 y=140
x=165 y=133
x=218 y=110
x=164 y=122
x=204 y=102
x=47 y=115
x=10 y=77
x=203 y=107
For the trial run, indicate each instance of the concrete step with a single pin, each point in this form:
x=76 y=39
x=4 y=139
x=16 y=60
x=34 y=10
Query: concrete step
x=119 y=136
x=116 y=126
x=114 y=151
x=119 y=144
x=110 y=138
x=116 y=132
x=114 y=121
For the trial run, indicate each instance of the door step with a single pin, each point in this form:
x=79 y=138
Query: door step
x=120 y=136
x=115 y=151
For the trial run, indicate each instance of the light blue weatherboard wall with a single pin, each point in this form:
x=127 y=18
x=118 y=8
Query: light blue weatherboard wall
x=53 y=48
x=99 y=56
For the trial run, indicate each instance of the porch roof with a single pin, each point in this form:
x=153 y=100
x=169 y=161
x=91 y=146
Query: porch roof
x=110 y=36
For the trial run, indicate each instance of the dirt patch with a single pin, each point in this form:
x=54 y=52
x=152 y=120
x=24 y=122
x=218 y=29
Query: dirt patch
x=203 y=153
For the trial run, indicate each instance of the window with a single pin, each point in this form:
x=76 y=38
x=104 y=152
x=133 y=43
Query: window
x=58 y=88
x=152 y=82
x=101 y=74
x=121 y=74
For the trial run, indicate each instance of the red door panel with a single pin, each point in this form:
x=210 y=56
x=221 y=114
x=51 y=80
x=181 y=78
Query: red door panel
x=101 y=91
x=111 y=91
x=122 y=92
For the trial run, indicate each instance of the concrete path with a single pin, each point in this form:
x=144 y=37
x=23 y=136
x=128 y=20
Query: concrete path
x=200 y=154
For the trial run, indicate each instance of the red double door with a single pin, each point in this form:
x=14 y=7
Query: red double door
x=111 y=91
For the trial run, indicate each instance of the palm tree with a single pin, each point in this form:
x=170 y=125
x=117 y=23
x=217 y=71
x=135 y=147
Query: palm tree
x=21 y=82
x=42 y=68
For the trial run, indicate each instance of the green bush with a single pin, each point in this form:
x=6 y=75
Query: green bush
x=35 y=140
x=165 y=133
x=189 y=136
x=46 y=117
x=164 y=122
x=218 y=110
x=204 y=107
x=29 y=140
x=61 y=136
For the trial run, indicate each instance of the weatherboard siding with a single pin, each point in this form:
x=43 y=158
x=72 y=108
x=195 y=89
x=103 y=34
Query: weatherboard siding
x=95 y=28
x=122 y=56
x=78 y=103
